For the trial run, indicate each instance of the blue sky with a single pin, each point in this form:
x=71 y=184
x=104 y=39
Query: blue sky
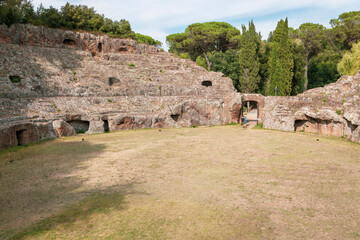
x=159 y=18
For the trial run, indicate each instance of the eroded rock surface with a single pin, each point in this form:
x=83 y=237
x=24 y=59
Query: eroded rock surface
x=332 y=110
x=63 y=82
x=59 y=83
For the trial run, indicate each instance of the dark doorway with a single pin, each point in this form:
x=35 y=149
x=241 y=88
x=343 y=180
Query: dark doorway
x=21 y=137
x=106 y=126
x=100 y=47
x=80 y=126
x=299 y=125
x=249 y=111
x=69 y=42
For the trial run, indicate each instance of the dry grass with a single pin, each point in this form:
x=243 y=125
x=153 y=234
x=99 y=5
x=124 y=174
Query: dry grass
x=203 y=183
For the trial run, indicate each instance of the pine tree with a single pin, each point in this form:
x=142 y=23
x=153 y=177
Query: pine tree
x=281 y=62
x=300 y=62
x=249 y=61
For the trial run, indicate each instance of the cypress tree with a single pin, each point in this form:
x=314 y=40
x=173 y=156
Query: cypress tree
x=281 y=62
x=248 y=59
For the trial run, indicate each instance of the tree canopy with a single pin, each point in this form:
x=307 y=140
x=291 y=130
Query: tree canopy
x=250 y=42
x=281 y=62
x=77 y=17
x=350 y=63
x=204 y=38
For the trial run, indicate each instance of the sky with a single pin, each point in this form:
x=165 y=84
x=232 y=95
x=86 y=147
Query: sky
x=159 y=18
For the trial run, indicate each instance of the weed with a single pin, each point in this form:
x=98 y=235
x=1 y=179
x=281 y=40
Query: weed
x=258 y=126
x=74 y=72
x=161 y=70
x=15 y=79
x=343 y=101
x=109 y=100
x=338 y=111
x=56 y=108
x=195 y=126
x=150 y=79
x=324 y=100
x=131 y=65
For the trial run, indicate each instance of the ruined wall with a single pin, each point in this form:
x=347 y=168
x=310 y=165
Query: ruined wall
x=332 y=110
x=57 y=82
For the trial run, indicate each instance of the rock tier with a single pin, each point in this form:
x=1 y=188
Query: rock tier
x=55 y=83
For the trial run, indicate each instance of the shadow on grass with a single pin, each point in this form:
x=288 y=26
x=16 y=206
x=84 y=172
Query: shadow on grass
x=97 y=203
x=42 y=180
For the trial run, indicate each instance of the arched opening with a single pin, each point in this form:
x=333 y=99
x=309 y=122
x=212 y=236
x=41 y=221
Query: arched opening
x=206 y=83
x=249 y=112
x=300 y=125
x=15 y=79
x=21 y=137
x=106 y=126
x=80 y=126
x=69 y=42
x=122 y=49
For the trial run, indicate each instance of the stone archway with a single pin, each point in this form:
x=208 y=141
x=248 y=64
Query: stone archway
x=254 y=100
x=250 y=110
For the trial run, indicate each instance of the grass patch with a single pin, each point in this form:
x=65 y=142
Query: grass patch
x=258 y=126
x=80 y=212
x=204 y=183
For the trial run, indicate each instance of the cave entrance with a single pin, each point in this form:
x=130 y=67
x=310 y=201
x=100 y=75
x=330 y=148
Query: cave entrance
x=21 y=137
x=299 y=125
x=175 y=117
x=249 y=112
x=80 y=126
x=106 y=126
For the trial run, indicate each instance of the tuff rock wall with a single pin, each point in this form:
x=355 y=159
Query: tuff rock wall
x=331 y=110
x=56 y=83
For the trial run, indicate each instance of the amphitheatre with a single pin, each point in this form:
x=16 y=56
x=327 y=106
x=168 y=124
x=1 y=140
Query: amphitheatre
x=137 y=149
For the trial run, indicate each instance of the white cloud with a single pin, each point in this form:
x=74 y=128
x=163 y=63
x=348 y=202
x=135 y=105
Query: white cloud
x=156 y=17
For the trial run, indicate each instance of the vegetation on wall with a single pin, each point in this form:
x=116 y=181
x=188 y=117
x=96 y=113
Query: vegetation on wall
x=76 y=17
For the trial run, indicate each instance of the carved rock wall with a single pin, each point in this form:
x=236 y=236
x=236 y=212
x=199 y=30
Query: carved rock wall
x=61 y=82
x=332 y=110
